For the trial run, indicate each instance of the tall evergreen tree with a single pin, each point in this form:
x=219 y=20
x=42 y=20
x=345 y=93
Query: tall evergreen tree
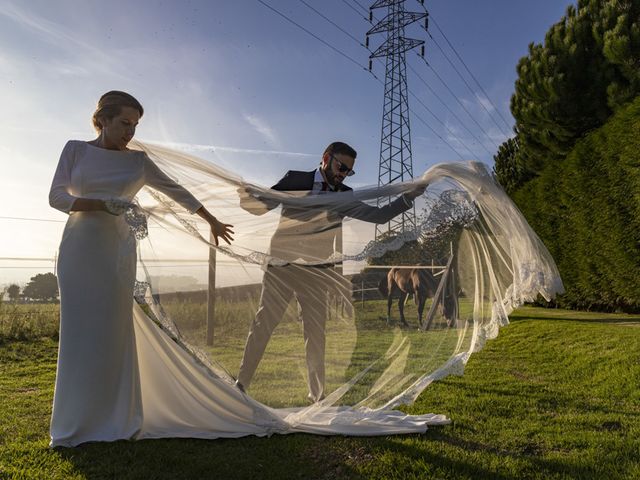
x=508 y=167
x=587 y=67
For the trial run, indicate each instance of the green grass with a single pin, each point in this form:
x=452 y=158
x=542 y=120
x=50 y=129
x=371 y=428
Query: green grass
x=26 y=321
x=353 y=344
x=555 y=396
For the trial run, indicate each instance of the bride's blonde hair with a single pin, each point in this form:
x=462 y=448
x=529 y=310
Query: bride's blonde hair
x=110 y=105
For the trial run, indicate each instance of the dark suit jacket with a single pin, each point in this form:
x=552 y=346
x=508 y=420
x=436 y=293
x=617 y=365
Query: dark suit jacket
x=314 y=234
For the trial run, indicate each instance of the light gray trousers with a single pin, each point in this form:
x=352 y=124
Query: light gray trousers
x=279 y=285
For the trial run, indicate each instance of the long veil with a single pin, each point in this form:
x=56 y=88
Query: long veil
x=464 y=260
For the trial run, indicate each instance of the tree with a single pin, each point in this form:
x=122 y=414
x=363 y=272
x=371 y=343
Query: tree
x=586 y=210
x=441 y=224
x=508 y=167
x=42 y=287
x=452 y=212
x=13 y=291
x=588 y=66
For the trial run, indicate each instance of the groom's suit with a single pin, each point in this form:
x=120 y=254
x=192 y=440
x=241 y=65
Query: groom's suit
x=313 y=235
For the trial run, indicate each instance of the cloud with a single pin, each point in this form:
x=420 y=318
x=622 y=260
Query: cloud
x=194 y=147
x=262 y=128
x=485 y=102
x=87 y=57
x=43 y=27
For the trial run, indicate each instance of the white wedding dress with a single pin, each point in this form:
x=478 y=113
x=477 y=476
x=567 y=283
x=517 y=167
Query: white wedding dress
x=119 y=375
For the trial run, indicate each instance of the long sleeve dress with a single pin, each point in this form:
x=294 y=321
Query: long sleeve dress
x=115 y=372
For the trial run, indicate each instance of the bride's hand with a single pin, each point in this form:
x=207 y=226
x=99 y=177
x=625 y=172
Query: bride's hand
x=222 y=230
x=218 y=229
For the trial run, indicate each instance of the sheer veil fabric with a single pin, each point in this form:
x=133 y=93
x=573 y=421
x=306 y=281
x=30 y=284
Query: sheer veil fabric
x=296 y=300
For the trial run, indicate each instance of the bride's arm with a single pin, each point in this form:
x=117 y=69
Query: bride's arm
x=157 y=179
x=88 y=205
x=60 y=196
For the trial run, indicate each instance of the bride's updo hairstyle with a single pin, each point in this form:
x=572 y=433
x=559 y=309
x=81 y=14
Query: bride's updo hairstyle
x=110 y=105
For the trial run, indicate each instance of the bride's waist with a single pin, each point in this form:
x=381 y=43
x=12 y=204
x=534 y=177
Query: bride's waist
x=97 y=220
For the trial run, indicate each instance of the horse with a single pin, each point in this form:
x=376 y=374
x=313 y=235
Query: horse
x=420 y=282
x=417 y=281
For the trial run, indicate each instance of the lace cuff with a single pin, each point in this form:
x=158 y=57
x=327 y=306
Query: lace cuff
x=116 y=206
x=133 y=215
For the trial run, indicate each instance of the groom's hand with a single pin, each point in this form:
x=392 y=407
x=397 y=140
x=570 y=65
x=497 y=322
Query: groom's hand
x=416 y=192
x=248 y=191
x=251 y=200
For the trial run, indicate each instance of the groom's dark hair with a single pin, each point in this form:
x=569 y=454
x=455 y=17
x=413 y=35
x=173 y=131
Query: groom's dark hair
x=340 y=147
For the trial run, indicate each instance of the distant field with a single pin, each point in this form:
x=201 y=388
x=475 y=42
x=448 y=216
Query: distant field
x=28 y=321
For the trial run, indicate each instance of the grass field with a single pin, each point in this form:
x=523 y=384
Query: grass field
x=353 y=343
x=556 y=395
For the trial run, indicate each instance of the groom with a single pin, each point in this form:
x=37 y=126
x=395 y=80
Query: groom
x=311 y=234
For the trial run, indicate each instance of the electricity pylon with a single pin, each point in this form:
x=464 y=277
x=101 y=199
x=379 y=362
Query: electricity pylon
x=395 y=142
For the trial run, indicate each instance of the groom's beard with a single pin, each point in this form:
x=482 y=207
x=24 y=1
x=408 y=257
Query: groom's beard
x=332 y=178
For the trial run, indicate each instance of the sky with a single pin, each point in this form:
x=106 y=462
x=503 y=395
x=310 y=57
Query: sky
x=236 y=83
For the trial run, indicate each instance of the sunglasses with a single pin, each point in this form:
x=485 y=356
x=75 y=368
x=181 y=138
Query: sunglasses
x=342 y=168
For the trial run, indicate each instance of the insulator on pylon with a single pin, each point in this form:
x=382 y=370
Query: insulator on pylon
x=426 y=23
x=370 y=64
x=367 y=42
x=422 y=51
x=370 y=16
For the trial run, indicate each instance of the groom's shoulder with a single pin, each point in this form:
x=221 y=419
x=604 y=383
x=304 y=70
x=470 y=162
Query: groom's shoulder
x=295 y=174
x=295 y=179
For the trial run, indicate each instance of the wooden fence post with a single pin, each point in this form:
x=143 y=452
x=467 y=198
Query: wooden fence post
x=211 y=293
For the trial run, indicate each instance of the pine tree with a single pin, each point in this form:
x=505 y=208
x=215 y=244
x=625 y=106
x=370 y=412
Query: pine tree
x=587 y=67
x=508 y=167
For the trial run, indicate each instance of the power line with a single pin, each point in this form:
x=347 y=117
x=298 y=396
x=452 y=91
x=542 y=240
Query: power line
x=361 y=6
x=415 y=96
x=351 y=59
x=424 y=122
x=33 y=219
x=51 y=267
x=438 y=97
x=444 y=83
x=30 y=259
x=48 y=267
x=469 y=72
x=436 y=133
x=10 y=267
x=355 y=10
x=335 y=25
x=473 y=92
x=444 y=104
x=458 y=72
x=458 y=100
x=380 y=81
x=443 y=124
x=151 y=260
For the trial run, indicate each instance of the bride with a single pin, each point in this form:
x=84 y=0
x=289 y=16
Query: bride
x=97 y=392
